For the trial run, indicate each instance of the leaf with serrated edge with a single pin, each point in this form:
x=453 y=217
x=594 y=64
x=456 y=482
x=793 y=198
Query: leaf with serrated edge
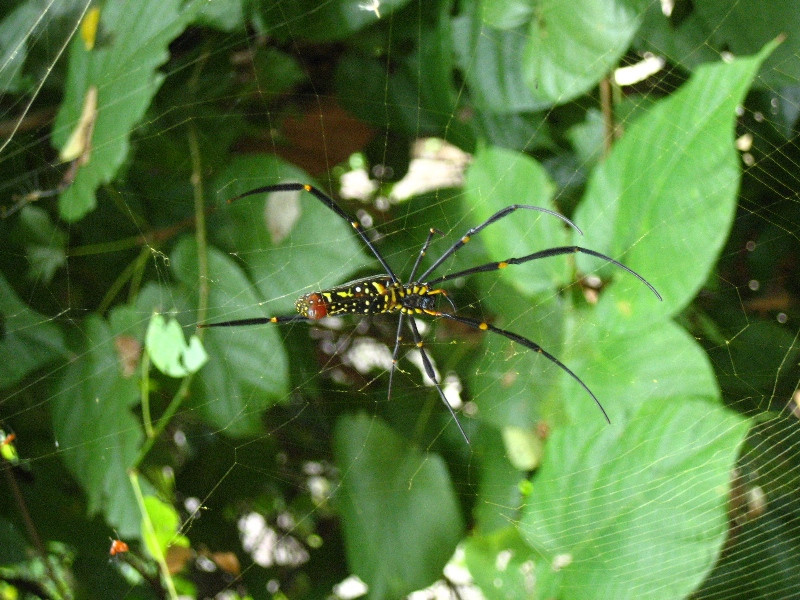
x=248 y=369
x=97 y=434
x=664 y=200
x=623 y=514
x=124 y=72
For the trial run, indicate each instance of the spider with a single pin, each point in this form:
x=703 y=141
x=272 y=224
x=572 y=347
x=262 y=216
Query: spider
x=385 y=293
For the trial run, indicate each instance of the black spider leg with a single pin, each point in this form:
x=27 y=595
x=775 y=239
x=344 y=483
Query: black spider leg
x=426 y=362
x=482 y=326
x=493 y=266
x=255 y=321
x=401 y=321
x=327 y=201
x=495 y=217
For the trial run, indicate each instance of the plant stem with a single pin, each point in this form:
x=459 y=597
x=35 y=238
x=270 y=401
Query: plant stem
x=606 y=105
x=133 y=475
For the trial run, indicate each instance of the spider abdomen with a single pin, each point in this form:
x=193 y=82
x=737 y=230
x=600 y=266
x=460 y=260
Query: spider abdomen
x=370 y=296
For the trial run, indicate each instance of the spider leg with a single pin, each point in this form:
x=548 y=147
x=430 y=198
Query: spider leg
x=483 y=326
x=426 y=362
x=397 y=340
x=493 y=266
x=256 y=321
x=422 y=251
x=495 y=217
x=327 y=201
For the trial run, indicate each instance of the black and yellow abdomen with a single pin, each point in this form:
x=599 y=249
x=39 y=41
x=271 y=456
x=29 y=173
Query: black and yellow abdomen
x=368 y=296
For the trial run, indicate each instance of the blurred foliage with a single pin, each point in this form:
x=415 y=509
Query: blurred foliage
x=263 y=461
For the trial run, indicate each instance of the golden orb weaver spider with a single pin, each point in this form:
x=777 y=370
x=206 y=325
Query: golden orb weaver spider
x=382 y=294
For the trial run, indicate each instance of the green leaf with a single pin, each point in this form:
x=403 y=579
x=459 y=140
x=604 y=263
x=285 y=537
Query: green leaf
x=44 y=243
x=496 y=178
x=399 y=511
x=661 y=363
x=502 y=566
x=166 y=527
x=564 y=57
x=95 y=430
x=499 y=495
x=14 y=40
x=489 y=60
x=31 y=338
x=664 y=199
x=225 y=16
x=247 y=369
x=506 y=14
x=289 y=241
x=124 y=72
x=743 y=27
x=169 y=351
x=419 y=93
x=512 y=385
x=638 y=511
x=685 y=40
x=332 y=20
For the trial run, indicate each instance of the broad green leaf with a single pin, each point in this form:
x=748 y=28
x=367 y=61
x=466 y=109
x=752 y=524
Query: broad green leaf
x=247 y=369
x=14 y=40
x=660 y=363
x=225 y=16
x=684 y=40
x=664 y=200
x=290 y=241
x=573 y=45
x=168 y=348
x=498 y=178
x=166 y=527
x=587 y=136
x=419 y=93
x=327 y=21
x=31 y=338
x=95 y=430
x=32 y=34
x=498 y=499
x=502 y=566
x=490 y=61
x=44 y=243
x=123 y=69
x=506 y=14
x=399 y=511
x=512 y=385
x=744 y=26
x=638 y=511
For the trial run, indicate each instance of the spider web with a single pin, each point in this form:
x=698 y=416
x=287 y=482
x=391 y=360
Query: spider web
x=270 y=461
